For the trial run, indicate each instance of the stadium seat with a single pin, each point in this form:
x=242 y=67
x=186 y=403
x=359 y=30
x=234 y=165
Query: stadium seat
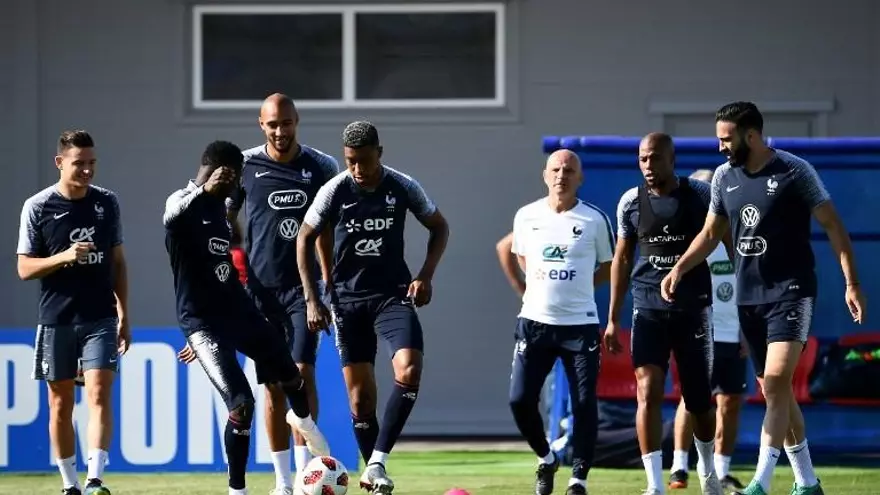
x=801 y=379
x=860 y=338
x=616 y=378
x=851 y=340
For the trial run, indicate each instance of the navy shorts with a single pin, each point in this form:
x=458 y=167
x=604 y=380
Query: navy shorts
x=250 y=333
x=359 y=324
x=285 y=310
x=783 y=321
x=688 y=336
x=60 y=350
x=728 y=370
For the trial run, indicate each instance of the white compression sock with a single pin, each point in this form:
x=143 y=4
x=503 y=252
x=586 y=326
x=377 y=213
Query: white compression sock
x=705 y=451
x=548 y=459
x=679 y=461
x=378 y=458
x=301 y=457
x=67 y=467
x=97 y=461
x=281 y=463
x=654 y=470
x=722 y=465
x=801 y=464
x=575 y=481
x=767 y=459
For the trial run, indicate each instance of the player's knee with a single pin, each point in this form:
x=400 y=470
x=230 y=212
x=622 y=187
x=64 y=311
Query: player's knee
x=649 y=387
x=243 y=414
x=729 y=405
x=100 y=386
x=61 y=400
x=409 y=374
x=776 y=386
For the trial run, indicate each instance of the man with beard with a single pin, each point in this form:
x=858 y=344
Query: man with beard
x=767 y=197
x=278 y=184
x=662 y=216
x=564 y=246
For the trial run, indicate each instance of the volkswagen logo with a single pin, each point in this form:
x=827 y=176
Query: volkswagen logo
x=222 y=271
x=724 y=292
x=288 y=228
x=750 y=215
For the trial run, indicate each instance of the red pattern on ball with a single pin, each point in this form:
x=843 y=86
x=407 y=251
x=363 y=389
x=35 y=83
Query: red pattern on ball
x=312 y=477
x=329 y=462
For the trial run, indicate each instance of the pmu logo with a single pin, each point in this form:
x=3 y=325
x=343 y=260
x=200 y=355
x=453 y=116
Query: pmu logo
x=288 y=199
x=218 y=246
x=661 y=262
x=555 y=253
x=751 y=246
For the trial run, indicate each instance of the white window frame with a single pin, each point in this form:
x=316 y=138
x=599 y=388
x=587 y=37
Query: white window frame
x=349 y=50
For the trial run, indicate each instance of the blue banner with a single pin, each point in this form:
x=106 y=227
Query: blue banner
x=167 y=415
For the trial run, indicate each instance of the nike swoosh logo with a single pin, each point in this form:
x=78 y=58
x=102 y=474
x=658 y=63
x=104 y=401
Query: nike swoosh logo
x=260 y=174
x=700 y=336
x=593 y=347
x=345 y=207
x=59 y=215
x=732 y=188
x=205 y=222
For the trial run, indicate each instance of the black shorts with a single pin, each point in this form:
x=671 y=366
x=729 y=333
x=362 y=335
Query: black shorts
x=285 y=309
x=360 y=323
x=728 y=369
x=782 y=321
x=688 y=335
x=249 y=333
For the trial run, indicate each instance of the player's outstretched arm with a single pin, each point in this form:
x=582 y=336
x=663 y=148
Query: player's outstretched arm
x=703 y=244
x=510 y=264
x=178 y=202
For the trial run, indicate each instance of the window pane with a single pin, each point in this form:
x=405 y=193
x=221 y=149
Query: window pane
x=426 y=56
x=248 y=57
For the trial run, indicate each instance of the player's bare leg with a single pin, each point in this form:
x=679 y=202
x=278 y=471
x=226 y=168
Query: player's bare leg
x=726 y=433
x=61 y=434
x=649 y=390
x=783 y=424
x=683 y=436
x=99 y=388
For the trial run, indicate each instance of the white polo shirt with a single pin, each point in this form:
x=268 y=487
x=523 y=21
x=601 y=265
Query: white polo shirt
x=561 y=251
x=725 y=317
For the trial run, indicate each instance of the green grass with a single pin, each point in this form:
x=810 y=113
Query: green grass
x=432 y=473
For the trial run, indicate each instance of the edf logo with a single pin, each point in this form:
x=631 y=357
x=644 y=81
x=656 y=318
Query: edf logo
x=561 y=274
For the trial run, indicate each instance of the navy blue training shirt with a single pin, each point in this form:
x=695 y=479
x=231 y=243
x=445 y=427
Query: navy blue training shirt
x=770 y=214
x=680 y=216
x=369 y=232
x=276 y=197
x=50 y=224
x=197 y=238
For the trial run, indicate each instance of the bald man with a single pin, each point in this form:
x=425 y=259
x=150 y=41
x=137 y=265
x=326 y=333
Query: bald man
x=564 y=247
x=662 y=216
x=728 y=373
x=279 y=181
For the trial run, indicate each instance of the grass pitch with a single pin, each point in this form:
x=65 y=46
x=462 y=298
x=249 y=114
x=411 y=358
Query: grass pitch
x=432 y=473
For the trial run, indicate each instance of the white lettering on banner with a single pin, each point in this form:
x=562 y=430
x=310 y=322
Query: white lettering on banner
x=22 y=406
x=136 y=447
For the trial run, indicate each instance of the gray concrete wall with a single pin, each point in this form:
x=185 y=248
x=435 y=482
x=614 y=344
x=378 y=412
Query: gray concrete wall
x=120 y=70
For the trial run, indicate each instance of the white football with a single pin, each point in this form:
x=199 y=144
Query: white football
x=322 y=476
